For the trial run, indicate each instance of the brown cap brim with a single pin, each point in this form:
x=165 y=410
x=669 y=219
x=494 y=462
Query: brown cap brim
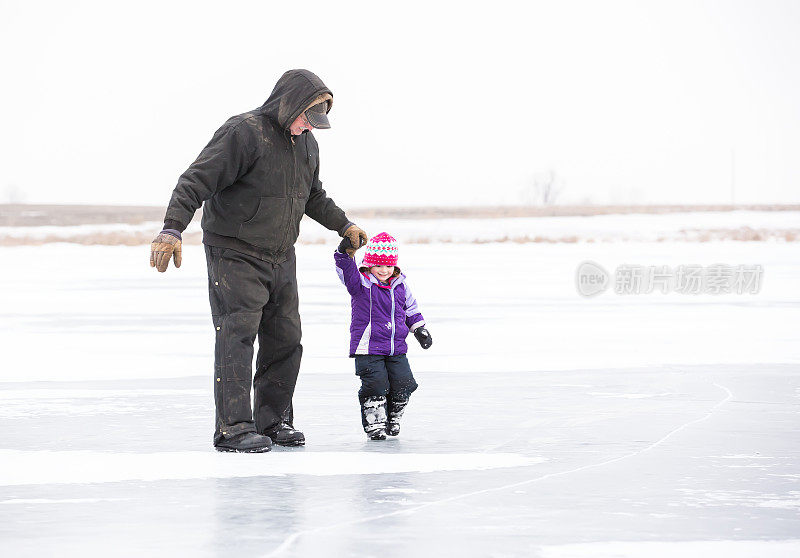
x=317 y=116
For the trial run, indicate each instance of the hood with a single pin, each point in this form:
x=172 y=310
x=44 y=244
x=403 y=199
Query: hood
x=294 y=93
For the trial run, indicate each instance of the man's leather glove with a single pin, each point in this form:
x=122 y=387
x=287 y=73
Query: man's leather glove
x=165 y=246
x=424 y=337
x=358 y=238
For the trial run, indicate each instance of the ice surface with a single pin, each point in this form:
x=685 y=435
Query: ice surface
x=546 y=424
x=65 y=467
x=687 y=549
x=95 y=313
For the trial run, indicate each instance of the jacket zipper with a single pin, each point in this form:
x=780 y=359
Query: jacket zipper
x=283 y=246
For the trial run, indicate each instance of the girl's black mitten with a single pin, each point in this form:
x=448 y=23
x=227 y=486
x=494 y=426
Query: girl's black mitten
x=424 y=337
x=346 y=247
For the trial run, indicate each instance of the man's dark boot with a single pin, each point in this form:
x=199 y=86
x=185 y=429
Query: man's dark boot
x=396 y=409
x=373 y=417
x=284 y=434
x=246 y=442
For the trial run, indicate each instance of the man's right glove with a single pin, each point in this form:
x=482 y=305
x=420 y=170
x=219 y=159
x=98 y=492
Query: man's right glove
x=165 y=246
x=424 y=337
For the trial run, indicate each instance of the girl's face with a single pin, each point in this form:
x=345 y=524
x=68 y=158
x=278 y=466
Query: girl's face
x=382 y=272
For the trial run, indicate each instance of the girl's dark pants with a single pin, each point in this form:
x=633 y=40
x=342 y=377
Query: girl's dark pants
x=384 y=376
x=253 y=298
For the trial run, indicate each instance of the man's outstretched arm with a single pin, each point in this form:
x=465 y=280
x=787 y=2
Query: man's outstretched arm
x=220 y=164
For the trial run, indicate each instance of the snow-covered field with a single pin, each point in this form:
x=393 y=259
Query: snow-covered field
x=547 y=424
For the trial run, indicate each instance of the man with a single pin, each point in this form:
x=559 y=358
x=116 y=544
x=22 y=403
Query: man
x=256 y=179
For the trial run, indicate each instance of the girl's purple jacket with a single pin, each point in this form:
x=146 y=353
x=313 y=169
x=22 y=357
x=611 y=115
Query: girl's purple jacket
x=382 y=314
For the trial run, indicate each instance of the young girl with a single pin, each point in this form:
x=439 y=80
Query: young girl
x=384 y=311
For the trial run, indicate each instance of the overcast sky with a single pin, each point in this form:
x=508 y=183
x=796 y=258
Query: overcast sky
x=667 y=102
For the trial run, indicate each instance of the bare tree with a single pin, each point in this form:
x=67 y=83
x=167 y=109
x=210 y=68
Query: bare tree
x=544 y=189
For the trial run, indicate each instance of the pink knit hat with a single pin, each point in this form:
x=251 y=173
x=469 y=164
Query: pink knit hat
x=380 y=250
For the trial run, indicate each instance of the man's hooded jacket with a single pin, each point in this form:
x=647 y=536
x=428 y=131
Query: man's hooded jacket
x=256 y=179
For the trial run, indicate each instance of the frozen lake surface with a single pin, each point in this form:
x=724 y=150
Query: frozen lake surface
x=546 y=424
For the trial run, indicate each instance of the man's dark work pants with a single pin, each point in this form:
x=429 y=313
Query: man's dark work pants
x=250 y=297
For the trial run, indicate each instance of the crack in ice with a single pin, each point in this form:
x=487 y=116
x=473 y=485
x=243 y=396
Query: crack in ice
x=287 y=543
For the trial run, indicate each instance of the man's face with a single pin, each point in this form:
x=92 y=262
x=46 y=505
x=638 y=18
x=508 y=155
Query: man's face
x=300 y=125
